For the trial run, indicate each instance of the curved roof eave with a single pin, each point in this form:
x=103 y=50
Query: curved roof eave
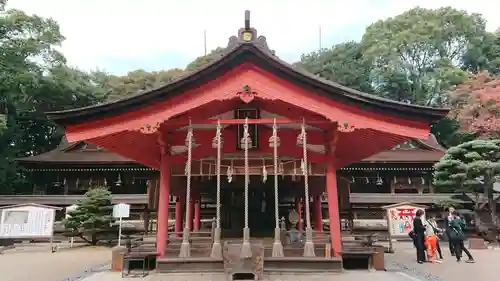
x=257 y=48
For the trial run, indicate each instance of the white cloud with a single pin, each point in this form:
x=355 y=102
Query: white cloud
x=111 y=30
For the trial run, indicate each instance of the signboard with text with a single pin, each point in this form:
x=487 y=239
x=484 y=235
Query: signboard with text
x=400 y=218
x=27 y=221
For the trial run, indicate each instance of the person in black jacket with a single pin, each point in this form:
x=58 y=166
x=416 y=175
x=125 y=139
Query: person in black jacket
x=419 y=229
x=447 y=229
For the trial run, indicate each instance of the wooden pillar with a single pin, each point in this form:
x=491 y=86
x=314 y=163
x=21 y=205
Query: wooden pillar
x=145 y=218
x=197 y=206
x=178 y=215
x=163 y=206
x=299 y=211
x=333 y=208
x=318 y=213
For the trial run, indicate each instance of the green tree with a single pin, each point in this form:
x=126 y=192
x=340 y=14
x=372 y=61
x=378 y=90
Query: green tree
x=343 y=64
x=471 y=167
x=119 y=87
x=417 y=54
x=34 y=79
x=92 y=216
x=202 y=61
x=484 y=55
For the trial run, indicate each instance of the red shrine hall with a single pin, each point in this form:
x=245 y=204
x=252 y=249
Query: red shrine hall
x=261 y=127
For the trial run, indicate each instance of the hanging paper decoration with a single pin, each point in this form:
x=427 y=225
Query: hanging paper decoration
x=409 y=180
x=303 y=167
x=395 y=180
x=105 y=182
x=379 y=180
x=210 y=172
x=367 y=181
x=229 y=174
x=282 y=170
x=264 y=171
x=353 y=180
x=423 y=180
x=119 y=181
x=90 y=182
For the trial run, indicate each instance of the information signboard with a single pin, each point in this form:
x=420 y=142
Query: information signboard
x=27 y=221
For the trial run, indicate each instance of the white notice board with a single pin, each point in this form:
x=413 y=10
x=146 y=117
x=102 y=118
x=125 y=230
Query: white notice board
x=27 y=221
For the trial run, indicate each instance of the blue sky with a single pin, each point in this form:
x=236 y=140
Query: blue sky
x=123 y=35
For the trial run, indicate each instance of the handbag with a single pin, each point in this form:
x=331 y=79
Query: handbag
x=412 y=235
x=456 y=235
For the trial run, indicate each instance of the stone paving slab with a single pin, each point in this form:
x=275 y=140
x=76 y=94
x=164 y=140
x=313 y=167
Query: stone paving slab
x=346 y=276
x=405 y=260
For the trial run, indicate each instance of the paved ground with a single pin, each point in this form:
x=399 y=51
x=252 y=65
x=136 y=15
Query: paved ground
x=71 y=264
x=347 y=276
x=405 y=260
x=37 y=263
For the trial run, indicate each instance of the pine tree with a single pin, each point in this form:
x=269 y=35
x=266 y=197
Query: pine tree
x=471 y=167
x=92 y=216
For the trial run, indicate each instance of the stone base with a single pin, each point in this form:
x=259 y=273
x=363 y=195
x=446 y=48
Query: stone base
x=477 y=244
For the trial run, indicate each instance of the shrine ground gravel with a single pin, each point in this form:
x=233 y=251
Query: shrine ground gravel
x=37 y=263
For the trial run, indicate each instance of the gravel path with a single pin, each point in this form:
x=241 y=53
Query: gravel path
x=30 y=265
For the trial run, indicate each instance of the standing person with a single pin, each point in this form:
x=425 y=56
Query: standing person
x=457 y=237
x=447 y=229
x=434 y=232
x=419 y=240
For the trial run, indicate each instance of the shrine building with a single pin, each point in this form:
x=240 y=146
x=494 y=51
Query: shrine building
x=250 y=130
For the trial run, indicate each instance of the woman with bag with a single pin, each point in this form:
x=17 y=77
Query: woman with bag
x=457 y=237
x=419 y=236
x=432 y=241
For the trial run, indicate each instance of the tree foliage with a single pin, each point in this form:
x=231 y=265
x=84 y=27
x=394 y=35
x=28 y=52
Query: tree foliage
x=137 y=81
x=34 y=79
x=343 y=64
x=476 y=105
x=473 y=166
x=484 y=55
x=420 y=52
x=92 y=216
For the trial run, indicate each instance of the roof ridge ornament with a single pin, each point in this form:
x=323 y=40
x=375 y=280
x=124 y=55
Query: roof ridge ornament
x=248 y=35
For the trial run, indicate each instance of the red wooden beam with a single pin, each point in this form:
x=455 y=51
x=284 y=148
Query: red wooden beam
x=288 y=144
x=261 y=121
x=229 y=136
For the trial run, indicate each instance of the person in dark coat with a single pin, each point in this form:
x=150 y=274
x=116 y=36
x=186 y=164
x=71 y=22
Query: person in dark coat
x=419 y=236
x=457 y=225
x=447 y=229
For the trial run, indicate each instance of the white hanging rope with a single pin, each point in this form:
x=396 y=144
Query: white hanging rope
x=185 y=247
x=309 y=246
x=217 y=247
x=277 y=246
x=246 y=250
x=246 y=136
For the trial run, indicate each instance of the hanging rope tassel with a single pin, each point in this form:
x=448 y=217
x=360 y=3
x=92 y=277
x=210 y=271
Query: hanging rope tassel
x=246 y=250
x=185 y=251
x=217 y=247
x=309 y=245
x=277 y=246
